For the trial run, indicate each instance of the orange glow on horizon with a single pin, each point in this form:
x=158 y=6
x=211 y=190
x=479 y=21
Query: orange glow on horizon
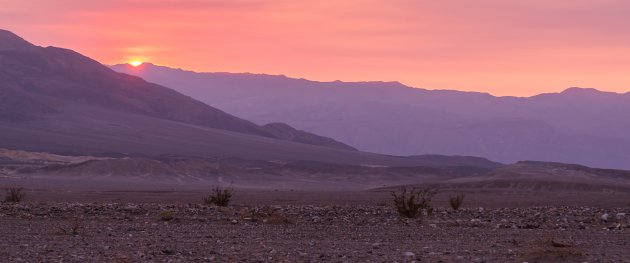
x=518 y=48
x=135 y=63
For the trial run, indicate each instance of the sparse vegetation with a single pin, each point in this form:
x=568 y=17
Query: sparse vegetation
x=219 y=196
x=14 y=195
x=409 y=203
x=167 y=215
x=456 y=201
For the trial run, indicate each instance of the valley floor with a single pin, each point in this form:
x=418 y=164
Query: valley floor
x=289 y=226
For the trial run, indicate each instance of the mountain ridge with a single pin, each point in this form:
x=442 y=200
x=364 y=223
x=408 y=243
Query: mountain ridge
x=58 y=101
x=576 y=125
x=11 y=41
x=124 y=66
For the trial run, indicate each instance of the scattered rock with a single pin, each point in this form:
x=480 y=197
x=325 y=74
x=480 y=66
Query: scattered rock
x=350 y=234
x=620 y=216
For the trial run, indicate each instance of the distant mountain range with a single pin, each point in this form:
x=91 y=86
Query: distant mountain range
x=58 y=101
x=578 y=125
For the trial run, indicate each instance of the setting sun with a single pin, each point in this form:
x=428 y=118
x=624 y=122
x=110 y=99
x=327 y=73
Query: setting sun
x=135 y=63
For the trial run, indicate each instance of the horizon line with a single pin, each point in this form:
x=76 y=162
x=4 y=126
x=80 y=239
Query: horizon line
x=366 y=81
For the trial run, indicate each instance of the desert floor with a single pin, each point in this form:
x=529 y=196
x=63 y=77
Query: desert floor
x=173 y=225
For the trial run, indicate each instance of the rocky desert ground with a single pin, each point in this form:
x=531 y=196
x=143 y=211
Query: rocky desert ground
x=300 y=226
x=101 y=209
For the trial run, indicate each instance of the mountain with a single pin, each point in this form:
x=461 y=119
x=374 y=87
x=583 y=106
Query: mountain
x=286 y=132
x=578 y=125
x=57 y=101
x=43 y=79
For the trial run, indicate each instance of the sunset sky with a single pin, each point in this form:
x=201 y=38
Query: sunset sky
x=504 y=47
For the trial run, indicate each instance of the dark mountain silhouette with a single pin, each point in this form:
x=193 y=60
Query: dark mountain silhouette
x=10 y=41
x=52 y=76
x=578 y=125
x=56 y=100
x=35 y=78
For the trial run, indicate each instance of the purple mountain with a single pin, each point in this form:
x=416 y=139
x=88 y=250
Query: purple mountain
x=583 y=126
x=56 y=100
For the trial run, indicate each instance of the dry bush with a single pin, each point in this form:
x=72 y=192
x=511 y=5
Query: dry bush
x=167 y=215
x=411 y=203
x=14 y=195
x=219 y=196
x=456 y=201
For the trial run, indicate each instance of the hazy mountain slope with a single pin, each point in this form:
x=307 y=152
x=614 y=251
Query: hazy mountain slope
x=578 y=126
x=95 y=131
x=286 y=132
x=58 y=101
x=82 y=129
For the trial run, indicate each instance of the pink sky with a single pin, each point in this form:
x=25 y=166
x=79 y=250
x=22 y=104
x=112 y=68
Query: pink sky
x=504 y=47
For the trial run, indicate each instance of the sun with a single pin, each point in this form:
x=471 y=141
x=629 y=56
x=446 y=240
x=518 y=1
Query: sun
x=135 y=63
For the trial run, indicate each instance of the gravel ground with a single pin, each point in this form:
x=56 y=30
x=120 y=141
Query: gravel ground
x=114 y=232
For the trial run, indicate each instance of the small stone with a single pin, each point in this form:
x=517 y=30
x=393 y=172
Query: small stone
x=452 y=223
x=604 y=217
x=620 y=216
x=409 y=254
x=475 y=222
x=234 y=221
x=559 y=244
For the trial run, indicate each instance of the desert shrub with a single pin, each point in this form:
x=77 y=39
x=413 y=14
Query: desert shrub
x=456 y=201
x=409 y=203
x=219 y=196
x=14 y=195
x=167 y=215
